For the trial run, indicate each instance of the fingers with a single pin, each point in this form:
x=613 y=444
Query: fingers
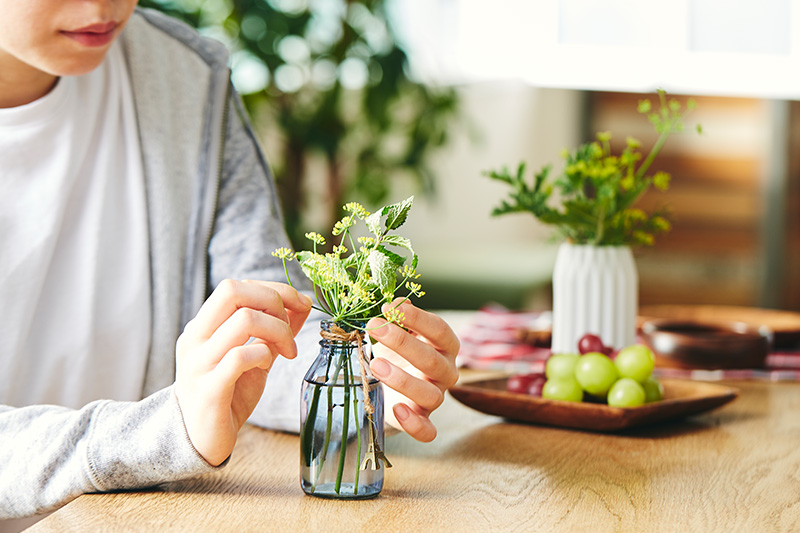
x=424 y=398
x=425 y=394
x=275 y=299
x=224 y=354
x=417 y=426
x=242 y=312
x=425 y=367
x=428 y=325
x=243 y=358
x=432 y=353
x=245 y=324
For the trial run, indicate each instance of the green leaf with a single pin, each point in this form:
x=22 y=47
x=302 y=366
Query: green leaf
x=398 y=260
x=373 y=221
x=397 y=240
x=398 y=213
x=383 y=267
x=304 y=256
x=309 y=263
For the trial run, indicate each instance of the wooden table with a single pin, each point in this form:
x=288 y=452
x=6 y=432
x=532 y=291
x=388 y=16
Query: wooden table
x=733 y=469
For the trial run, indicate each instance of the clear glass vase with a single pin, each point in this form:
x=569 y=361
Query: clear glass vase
x=341 y=435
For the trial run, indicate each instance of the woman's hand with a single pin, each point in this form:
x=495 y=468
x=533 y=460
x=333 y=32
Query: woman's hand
x=417 y=365
x=225 y=353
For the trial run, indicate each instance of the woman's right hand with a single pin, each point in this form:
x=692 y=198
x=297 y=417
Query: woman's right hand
x=225 y=353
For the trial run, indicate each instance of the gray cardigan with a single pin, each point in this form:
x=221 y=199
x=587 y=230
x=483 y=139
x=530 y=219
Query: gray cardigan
x=213 y=213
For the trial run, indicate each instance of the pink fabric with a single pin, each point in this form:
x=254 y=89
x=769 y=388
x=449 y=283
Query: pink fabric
x=490 y=342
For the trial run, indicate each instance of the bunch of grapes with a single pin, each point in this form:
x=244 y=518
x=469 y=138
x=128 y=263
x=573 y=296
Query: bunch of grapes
x=622 y=379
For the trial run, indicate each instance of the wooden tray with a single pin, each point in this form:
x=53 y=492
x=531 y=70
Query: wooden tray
x=681 y=398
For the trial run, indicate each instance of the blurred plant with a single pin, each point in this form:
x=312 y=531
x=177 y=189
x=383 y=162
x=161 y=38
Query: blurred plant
x=598 y=190
x=327 y=79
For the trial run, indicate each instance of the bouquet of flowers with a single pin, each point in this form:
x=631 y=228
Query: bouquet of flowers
x=352 y=282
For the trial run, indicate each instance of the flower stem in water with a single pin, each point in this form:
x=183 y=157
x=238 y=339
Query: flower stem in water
x=345 y=425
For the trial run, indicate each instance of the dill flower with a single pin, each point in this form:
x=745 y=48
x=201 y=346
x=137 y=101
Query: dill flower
x=283 y=253
x=316 y=238
x=395 y=315
x=357 y=209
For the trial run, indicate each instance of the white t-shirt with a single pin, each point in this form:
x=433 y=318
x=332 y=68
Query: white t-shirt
x=74 y=268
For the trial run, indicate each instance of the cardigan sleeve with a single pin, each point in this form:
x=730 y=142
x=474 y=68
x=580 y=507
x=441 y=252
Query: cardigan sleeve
x=51 y=455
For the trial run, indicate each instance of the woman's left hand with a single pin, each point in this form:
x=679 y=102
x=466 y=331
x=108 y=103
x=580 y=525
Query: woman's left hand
x=417 y=366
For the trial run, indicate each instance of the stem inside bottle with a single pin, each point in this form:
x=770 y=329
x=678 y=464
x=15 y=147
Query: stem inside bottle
x=335 y=428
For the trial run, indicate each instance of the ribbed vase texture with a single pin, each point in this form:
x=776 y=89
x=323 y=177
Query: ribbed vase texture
x=595 y=290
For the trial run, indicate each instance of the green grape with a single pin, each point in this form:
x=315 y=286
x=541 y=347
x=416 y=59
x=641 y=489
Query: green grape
x=561 y=365
x=653 y=390
x=566 y=389
x=626 y=392
x=635 y=362
x=596 y=373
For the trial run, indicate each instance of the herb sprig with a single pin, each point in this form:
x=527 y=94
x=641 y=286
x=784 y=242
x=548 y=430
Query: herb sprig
x=597 y=190
x=360 y=274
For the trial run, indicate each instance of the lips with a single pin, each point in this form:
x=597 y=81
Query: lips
x=93 y=35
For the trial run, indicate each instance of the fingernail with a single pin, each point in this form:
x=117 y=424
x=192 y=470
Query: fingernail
x=305 y=300
x=380 y=368
x=401 y=412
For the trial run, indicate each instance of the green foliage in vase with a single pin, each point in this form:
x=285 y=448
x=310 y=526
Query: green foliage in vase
x=597 y=190
x=360 y=274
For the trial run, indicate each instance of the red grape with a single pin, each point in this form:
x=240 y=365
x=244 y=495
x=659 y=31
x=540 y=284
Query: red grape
x=537 y=384
x=521 y=383
x=591 y=343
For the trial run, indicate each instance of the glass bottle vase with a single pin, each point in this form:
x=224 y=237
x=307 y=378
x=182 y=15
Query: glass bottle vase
x=341 y=434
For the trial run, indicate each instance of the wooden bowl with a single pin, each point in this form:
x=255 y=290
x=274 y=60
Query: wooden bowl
x=784 y=325
x=682 y=398
x=691 y=344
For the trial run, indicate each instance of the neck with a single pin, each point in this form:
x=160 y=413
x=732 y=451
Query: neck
x=21 y=84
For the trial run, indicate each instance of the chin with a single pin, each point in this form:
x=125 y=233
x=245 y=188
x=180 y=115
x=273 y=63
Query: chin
x=78 y=66
x=88 y=61
x=71 y=60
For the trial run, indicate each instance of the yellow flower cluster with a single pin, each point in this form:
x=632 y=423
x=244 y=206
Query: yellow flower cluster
x=316 y=238
x=661 y=181
x=394 y=315
x=283 y=253
x=415 y=289
x=408 y=273
x=342 y=225
x=642 y=237
x=357 y=209
x=661 y=223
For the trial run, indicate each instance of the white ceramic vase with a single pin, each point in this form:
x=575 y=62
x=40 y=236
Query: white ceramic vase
x=595 y=290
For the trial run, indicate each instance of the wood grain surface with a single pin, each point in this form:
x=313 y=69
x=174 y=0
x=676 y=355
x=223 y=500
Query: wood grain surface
x=736 y=468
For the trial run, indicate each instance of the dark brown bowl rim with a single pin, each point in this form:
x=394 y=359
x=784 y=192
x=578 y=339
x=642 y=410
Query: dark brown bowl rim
x=693 y=329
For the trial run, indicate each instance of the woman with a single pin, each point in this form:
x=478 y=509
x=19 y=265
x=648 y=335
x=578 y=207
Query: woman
x=132 y=184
